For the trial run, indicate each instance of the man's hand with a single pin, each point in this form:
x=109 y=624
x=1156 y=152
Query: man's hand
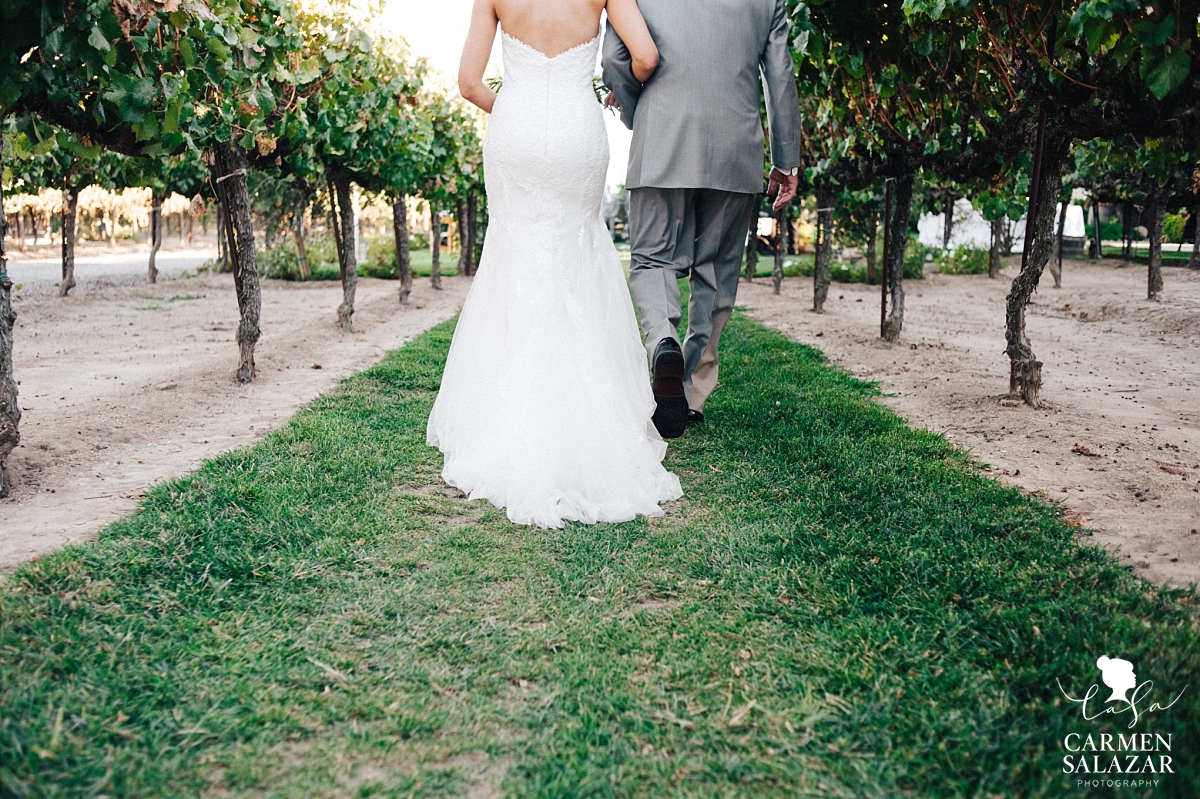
x=782 y=187
x=610 y=101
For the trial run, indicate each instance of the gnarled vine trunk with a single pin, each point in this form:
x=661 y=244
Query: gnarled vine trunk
x=345 y=234
x=893 y=258
x=1098 y=243
x=403 y=256
x=69 y=208
x=156 y=233
x=10 y=411
x=435 y=244
x=872 y=238
x=1158 y=213
x=824 y=254
x=1056 y=262
x=752 y=244
x=1127 y=231
x=224 y=262
x=468 y=267
x=235 y=197
x=299 y=235
x=994 y=262
x=1194 y=260
x=460 y=215
x=948 y=219
x=1025 y=370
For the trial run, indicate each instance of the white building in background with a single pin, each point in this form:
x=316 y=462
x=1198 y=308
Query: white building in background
x=972 y=230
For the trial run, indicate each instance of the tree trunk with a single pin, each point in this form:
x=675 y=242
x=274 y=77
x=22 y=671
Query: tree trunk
x=780 y=247
x=994 y=262
x=191 y=224
x=69 y=206
x=872 y=236
x=472 y=213
x=460 y=215
x=20 y=232
x=403 y=256
x=156 y=233
x=235 y=197
x=301 y=245
x=1158 y=212
x=1194 y=260
x=1098 y=244
x=223 y=237
x=10 y=411
x=1127 y=231
x=752 y=243
x=435 y=243
x=1025 y=371
x=824 y=252
x=948 y=211
x=1056 y=263
x=893 y=261
x=343 y=211
x=33 y=228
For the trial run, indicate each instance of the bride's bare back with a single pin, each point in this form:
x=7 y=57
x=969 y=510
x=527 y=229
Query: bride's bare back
x=552 y=27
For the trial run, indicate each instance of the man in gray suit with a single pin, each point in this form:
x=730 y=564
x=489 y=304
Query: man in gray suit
x=695 y=168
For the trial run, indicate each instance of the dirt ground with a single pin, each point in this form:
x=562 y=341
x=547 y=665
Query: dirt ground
x=1119 y=441
x=36 y=270
x=124 y=386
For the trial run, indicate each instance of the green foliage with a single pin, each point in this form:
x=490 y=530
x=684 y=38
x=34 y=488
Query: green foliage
x=279 y=263
x=151 y=79
x=1173 y=225
x=848 y=273
x=952 y=89
x=838 y=272
x=963 y=261
x=282 y=263
x=381 y=259
x=915 y=257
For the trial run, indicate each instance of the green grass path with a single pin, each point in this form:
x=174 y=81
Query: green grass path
x=840 y=606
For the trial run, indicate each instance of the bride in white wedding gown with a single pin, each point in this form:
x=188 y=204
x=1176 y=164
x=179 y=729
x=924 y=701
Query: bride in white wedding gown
x=545 y=405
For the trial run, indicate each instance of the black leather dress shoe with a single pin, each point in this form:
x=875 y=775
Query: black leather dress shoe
x=695 y=418
x=671 y=407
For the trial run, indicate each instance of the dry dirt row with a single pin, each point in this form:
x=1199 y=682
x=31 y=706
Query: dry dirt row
x=125 y=386
x=1118 y=444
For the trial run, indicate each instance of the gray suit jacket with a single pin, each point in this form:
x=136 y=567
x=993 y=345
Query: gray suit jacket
x=696 y=122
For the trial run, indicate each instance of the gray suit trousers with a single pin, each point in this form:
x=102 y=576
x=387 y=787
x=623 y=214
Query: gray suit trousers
x=699 y=234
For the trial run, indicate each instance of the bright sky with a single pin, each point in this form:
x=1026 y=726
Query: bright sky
x=437 y=29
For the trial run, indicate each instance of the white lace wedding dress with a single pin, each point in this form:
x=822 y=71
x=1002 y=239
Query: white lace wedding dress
x=545 y=403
